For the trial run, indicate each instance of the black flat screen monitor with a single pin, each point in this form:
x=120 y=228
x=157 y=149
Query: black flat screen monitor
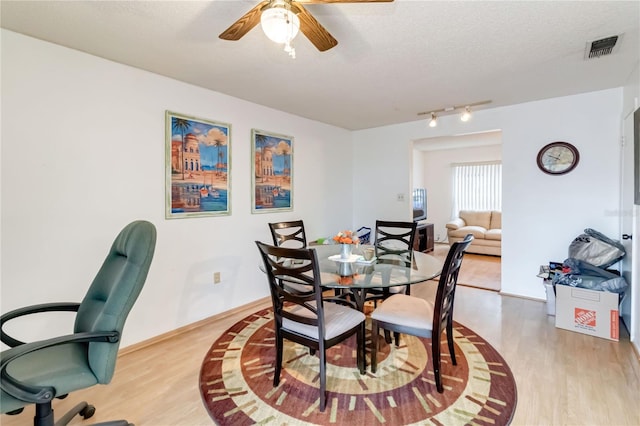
x=419 y=204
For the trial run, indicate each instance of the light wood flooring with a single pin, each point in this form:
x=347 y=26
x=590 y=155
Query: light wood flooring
x=563 y=378
x=480 y=270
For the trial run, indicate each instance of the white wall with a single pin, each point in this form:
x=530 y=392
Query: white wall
x=631 y=101
x=541 y=213
x=437 y=166
x=83 y=154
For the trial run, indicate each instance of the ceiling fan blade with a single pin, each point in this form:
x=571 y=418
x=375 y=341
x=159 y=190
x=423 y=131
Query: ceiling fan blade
x=311 y=28
x=244 y=24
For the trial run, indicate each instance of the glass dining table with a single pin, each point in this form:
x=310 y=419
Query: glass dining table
x=355 y=276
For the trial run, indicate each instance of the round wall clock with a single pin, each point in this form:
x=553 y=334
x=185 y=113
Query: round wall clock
x=558 y=158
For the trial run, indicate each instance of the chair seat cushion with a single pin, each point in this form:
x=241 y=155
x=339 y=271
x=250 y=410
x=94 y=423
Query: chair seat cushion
x=399 y=289
x=65 y=367
x=406 y=311
x=337 y=318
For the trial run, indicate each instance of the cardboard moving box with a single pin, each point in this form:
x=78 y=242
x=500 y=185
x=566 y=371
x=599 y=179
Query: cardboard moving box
x=551 y=297
x=588 y=311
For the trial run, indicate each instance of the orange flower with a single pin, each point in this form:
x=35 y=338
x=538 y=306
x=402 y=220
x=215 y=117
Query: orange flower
x=346 y=237
x=348 y=280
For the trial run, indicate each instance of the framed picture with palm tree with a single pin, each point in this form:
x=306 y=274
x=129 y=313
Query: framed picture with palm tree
x=197 y=157
x=272 y=171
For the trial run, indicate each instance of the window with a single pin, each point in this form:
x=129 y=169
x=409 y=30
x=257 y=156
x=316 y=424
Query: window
x=477 y=186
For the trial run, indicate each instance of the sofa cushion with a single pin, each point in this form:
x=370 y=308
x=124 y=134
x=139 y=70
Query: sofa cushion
x=455 y=223
x=476 y=231
x=496 y=220
x=476 y=218
x=493 y=234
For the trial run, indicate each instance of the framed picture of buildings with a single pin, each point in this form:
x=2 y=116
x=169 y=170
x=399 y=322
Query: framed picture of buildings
x=197 y=157
x=272 y=172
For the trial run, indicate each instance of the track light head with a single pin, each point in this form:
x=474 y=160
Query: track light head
x=466 y=115
x=433 y=122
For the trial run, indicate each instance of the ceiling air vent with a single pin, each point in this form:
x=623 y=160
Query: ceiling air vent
x=602 y=47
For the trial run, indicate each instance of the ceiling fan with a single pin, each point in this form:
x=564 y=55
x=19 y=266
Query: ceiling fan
x=288 y=16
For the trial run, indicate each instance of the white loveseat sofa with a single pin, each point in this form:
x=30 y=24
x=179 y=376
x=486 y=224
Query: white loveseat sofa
x=485 y=226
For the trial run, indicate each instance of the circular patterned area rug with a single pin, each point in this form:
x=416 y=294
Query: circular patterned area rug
x=236 y=381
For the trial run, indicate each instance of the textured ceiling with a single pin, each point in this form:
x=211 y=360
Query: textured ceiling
x=393 y=60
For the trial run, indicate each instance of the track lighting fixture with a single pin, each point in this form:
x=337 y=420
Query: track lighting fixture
x=433 y=122
x=466 y=112
x=466 y=115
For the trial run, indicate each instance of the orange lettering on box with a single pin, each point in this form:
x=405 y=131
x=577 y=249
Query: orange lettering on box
x=615 y=330
x=585 y=317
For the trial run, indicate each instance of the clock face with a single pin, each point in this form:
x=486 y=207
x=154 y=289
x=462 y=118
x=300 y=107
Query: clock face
x=558 y=158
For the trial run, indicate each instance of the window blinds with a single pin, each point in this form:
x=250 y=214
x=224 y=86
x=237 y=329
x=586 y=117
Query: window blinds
x=477 y=186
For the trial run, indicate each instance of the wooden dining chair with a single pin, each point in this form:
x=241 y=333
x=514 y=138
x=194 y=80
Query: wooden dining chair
x=402 y=313
x=393 y=244
x=289 y=234
x=301 y=315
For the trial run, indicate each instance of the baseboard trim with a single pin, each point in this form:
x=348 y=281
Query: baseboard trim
x=250 y=307
x=519 y=296
x=636 y=350
x=479 y=288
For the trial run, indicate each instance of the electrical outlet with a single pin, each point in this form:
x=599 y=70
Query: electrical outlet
x=400 y=197
x=216 y=277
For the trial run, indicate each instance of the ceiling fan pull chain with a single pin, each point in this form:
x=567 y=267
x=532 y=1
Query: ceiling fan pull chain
x=292 y=33
x=290 y=49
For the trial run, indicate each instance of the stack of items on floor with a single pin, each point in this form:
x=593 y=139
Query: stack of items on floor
x=587 y=293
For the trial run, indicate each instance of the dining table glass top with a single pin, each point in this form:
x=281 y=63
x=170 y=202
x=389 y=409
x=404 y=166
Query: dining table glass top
x=355 y=272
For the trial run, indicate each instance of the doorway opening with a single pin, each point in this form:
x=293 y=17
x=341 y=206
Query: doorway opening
x=433 y=161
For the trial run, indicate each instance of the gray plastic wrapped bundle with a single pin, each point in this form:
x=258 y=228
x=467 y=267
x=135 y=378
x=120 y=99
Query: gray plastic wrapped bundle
x=577 y=273
x=596 y=248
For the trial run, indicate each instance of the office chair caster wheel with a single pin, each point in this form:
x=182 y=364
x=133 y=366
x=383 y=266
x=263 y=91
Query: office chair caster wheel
x=88 y=411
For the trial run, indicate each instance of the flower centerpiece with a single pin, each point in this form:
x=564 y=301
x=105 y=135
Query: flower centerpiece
x=347 y=239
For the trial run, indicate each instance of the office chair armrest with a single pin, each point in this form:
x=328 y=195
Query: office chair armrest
x=42 y=394
x=33 y=309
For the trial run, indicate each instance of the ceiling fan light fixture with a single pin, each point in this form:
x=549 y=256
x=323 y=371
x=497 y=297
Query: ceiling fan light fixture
x=279 y=23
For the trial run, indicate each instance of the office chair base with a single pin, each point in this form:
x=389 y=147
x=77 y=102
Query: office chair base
x=44 y=415
x=82 y=409
x=87 y=410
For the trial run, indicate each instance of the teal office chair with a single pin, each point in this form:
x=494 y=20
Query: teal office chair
x=37 y=372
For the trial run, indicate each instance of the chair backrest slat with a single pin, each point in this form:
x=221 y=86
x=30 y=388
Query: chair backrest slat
x=289 y=234
x=394 y=241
